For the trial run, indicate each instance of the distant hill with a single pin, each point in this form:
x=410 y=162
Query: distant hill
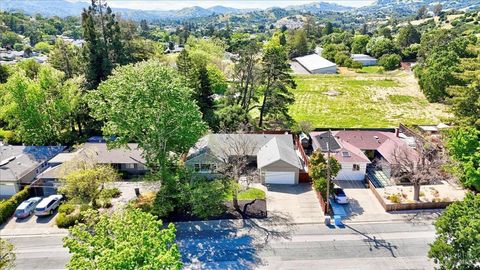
x=411 y=6
x=63 y=8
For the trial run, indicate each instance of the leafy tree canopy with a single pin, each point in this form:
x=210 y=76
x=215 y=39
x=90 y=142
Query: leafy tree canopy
x=130 y=239
x=457 y=245
x=148 y=103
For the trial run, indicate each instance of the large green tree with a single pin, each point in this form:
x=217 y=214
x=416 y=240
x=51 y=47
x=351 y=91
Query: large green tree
x=83 y=180
x=463 y=145
x=299 y=44
x=129 y=239
x=276 y=83
x=359 y=44
x=407 y=36
x=437 y=74
x=151 y=104
x=319 y=166
x=67 y=58
x=379 y=46
x=457 y=244
x=41 y=109
x=7 y=256
x=103 y=48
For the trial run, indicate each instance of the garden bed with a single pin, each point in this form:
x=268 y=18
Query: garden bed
x=255 y=209
x=396 y=198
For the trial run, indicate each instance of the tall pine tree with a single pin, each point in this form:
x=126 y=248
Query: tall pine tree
x=103 y=48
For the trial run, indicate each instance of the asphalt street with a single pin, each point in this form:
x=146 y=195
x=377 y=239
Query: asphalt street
x=270 y=245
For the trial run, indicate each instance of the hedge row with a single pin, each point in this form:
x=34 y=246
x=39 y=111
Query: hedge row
x=7 y=208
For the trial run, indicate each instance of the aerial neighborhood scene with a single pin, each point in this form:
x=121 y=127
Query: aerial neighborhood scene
x=239 y=134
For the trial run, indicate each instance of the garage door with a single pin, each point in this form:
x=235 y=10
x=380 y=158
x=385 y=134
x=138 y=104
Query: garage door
x=7 y=190
x=287 y=178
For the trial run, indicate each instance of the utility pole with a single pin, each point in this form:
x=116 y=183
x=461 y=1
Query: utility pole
x=328 y=173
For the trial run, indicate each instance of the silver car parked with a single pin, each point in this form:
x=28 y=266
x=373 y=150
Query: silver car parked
x=48 y=205
x=26 y=208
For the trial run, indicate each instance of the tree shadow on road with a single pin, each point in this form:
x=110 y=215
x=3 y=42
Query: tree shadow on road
x=277 y=226
x=375 y=243
x=216 y=245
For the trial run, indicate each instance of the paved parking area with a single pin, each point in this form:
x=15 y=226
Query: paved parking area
x=30 y=226
x=362 y=206
x=295 y=203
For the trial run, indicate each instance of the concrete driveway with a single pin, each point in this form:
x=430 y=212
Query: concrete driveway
x=362 y=206
x=295 y=203
x=32 y=225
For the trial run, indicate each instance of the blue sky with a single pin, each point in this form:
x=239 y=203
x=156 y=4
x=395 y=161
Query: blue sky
x=171 y=5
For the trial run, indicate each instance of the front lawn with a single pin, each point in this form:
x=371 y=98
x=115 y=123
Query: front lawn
x=362 y=100
x=371 y=69
x=249 y=194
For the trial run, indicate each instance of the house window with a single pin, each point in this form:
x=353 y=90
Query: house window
x=205 y=168
x=130 y=166
x=356 y=167
x=345 y=154
x=196 y=166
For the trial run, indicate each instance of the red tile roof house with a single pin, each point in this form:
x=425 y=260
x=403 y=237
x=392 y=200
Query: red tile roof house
x=355 y=149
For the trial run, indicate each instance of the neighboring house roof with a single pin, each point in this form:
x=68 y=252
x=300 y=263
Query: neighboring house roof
x=277 y=150
x=224 y=145
x=129 y=155
x=350 y=153
x=362 y=57
x=365 y=139
x=16 y=161
x=51 y=173
x=388 y=148
x=100 y=153
x=357 y=141
x=325 y=140
x=314 y=61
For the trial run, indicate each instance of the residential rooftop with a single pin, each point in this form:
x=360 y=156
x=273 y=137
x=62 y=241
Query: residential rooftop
x=16 y=160
x=314 y=61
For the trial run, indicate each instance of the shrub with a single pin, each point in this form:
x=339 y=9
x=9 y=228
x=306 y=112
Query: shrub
x=66 y=208
x=67 y=220
x=395 y=198
x=341 y=58
x=18 y=47
x=145 y=201
x=320 y=185
x=7 y=207
x=110 y=193
x=8 y=136
x=43 y=47
x=85 y=207
x=356 y=65
x=390 y=61
x=207 y=198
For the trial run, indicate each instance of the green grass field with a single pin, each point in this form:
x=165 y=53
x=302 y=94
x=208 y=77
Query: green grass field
x=363 y=100
x=249 y=194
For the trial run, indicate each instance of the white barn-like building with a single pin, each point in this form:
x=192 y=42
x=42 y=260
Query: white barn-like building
x=315 y=64
x=366 y=60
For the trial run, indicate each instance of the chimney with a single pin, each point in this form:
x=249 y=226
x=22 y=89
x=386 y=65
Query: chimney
x=397 y=132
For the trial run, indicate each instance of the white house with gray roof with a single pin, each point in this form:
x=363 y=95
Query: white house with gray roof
x=19 y=165
x=273 y=155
